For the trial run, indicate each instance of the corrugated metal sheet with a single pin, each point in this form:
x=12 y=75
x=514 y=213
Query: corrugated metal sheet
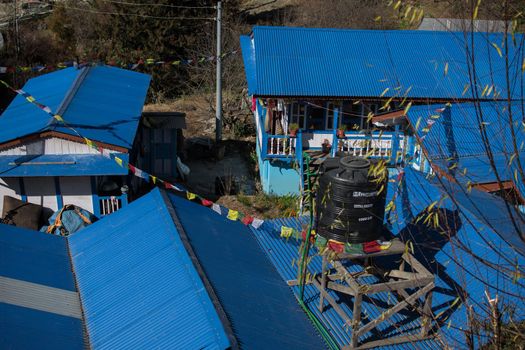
x=137 y=284
x=29 y=256
x=259 y=305
x=287 y=61
x=23 y=328
x=283 y=253
x=456 y=270
x=104 y=104
x=483 y=253
x=35 y=257
x=457 y=131
x=61 y=165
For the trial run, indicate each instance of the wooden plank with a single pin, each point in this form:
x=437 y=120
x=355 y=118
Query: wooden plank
x=346 y=276
x=356 y=318
x=389 y=341
x=396 y=308
x=323 y=283
x=403 y=274
x=332 y=302
x=415 y=264
x=396 y=285
x=340 y=288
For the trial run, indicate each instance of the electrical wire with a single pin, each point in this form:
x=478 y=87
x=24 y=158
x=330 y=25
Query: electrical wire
x=159 y=5
x=139 y=15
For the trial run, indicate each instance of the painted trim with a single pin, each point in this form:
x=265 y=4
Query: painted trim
x=23 y=195
x=94 y=197
x=49 y=134
x=60 y=199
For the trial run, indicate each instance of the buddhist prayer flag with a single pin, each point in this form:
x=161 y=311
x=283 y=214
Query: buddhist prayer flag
x=233 y=214
x=216 y=208
x=191 y=196
x=247 y=220
x=131 y=168
x=257 y=223
x=59 y=118
x=118 y=160
x=206 y=202
x=286 y=232
x=154 y=179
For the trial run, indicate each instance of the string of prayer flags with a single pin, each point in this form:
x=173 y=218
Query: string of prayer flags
x=133 y=66
x=233 y=215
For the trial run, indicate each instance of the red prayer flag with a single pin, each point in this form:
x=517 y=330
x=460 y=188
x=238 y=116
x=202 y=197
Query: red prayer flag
x=247 y=220
x=336 y=246
x=131 y=168
x=167 y=185
x=206 y=202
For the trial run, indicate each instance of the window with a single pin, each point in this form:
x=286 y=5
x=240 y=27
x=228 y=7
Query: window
x=298 y=114
x=330 y=110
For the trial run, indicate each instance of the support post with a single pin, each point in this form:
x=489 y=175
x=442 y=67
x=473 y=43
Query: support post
x=218 y=107
x=395 y=146
x=334 y=132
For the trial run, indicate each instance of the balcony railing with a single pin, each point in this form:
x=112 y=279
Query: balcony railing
x=369 y=145
x=109 y=204
x=281 y=146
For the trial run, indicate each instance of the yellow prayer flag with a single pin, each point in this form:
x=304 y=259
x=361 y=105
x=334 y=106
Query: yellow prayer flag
x=30 y=99
x=89 y=142
x=286 y=232
x=154 y=179
x=118 y=160
x=59 y=118
x=233 y=214
x=191 y=196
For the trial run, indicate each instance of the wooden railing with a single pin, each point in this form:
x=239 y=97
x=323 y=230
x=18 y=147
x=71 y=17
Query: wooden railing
x=369 y=145
x=281 y=146
x=109 y=204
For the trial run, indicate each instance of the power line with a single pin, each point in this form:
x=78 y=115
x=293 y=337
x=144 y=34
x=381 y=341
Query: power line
x=139 y=15
x=160 y=5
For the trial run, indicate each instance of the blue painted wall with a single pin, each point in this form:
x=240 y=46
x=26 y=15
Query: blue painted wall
x=278 y=176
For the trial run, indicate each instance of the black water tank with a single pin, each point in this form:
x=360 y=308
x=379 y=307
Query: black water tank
x=350 y=204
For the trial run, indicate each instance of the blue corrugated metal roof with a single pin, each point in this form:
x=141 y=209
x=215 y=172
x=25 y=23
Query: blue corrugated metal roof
x=483 y=251
x=286 y=61
x=35 y=257
x=283 y=253
x=259 y=305
x=26 y=329
x=102 y=103
x=138 y=286
x=38 y=258
x=61 y=165
x=456 y=270
x=456 y=130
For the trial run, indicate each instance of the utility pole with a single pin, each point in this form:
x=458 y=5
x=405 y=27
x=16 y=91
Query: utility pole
x=218 y=106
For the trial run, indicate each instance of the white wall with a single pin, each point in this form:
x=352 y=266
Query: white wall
x=77 y=190
x=8 y=187
x=50 y=145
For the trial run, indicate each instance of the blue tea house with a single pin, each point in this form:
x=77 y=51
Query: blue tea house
x=46 y=163
x=320 y=80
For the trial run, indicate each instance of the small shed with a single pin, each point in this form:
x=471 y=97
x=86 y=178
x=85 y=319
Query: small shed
x=159 y=141
x=47 y=163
